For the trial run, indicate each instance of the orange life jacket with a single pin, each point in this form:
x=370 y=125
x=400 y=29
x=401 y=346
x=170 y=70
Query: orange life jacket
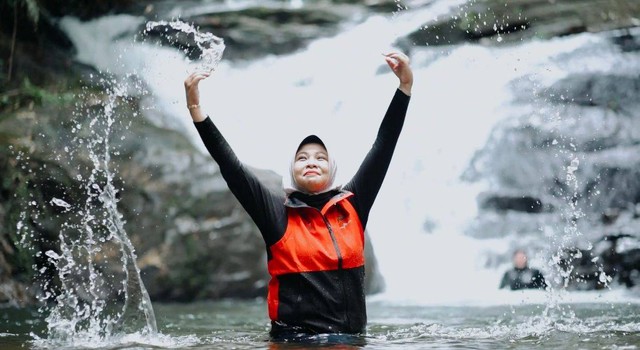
x=317 y=268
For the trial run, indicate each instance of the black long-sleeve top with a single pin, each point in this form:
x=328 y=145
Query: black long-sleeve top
x=525 y=278
x=266 y=207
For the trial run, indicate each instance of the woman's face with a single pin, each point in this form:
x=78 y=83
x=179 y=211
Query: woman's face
x=311 y=168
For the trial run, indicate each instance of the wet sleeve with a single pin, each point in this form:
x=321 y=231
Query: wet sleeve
x=265 y=207
x=368 y=179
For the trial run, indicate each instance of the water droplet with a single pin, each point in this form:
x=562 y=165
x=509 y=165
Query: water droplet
x=53 y=255
x=60 y=203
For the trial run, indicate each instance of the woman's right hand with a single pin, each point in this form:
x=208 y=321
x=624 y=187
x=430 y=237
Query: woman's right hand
x=193 y=94
x=399 y=64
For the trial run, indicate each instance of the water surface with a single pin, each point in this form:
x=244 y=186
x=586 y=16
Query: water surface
x=392 y=325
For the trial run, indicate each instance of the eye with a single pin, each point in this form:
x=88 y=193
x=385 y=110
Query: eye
x=301 y=158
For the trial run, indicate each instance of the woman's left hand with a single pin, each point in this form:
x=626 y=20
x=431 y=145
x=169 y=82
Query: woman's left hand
x=399 y=64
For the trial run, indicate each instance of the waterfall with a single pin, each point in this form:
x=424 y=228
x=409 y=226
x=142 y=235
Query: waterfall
x=339 y=88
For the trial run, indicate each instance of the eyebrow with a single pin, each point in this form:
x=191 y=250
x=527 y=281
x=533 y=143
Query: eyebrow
x=321 y=153
x=316 y=153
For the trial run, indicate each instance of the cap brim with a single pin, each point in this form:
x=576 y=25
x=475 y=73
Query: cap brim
x=311 y=139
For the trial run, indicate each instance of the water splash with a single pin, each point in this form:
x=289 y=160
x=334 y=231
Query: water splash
x=210 y=46
x=101 y=295
x=98 y=294
x=564 y=255
x=559 y=260
x=61 y=203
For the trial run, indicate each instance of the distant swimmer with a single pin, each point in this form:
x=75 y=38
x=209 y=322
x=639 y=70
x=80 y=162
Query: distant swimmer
x=313 y=231
x=521 y=276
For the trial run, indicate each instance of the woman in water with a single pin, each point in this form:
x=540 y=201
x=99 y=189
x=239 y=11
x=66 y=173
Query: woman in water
x=314 y=233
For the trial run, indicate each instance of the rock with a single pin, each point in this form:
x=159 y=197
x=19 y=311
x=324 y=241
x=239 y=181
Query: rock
x=608 y=264
x=597 y=125
x=522 y=203
x=507 y=224
x=575 y=153
x=615 y=92
x=255 y=32
x=89 y=10
x=373 y=279
x=627 y=42
x=12 y=290
x=494 y=21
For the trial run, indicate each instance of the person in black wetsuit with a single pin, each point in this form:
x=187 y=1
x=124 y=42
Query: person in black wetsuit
x=521 y=276
x=314 y=233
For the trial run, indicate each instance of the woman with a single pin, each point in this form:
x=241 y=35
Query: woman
x=314 y=233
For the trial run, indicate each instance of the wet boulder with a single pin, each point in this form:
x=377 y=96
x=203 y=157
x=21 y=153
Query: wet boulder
x=494 y=21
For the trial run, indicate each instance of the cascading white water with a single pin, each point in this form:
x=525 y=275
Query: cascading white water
x=339 y=88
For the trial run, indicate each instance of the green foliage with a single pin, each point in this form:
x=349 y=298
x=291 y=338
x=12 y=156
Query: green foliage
x=38 y=95
x=30 y=95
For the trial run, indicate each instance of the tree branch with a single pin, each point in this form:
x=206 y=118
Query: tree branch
x=13 y=40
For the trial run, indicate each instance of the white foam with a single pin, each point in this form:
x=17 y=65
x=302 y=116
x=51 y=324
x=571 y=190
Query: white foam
x=133 y=340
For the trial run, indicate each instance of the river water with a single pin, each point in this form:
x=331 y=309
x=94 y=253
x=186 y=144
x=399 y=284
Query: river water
x=613 y=324
x=440 y=291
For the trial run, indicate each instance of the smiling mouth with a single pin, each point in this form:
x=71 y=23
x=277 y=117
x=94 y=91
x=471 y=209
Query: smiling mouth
x=311 y=173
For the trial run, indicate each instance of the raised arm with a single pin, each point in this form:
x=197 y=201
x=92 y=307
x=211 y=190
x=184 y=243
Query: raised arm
x=368 y=179
x=264 y=206
x=193 y=95
x=399 y=64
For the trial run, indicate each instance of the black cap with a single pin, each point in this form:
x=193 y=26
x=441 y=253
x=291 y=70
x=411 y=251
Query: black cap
x=311 y=139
